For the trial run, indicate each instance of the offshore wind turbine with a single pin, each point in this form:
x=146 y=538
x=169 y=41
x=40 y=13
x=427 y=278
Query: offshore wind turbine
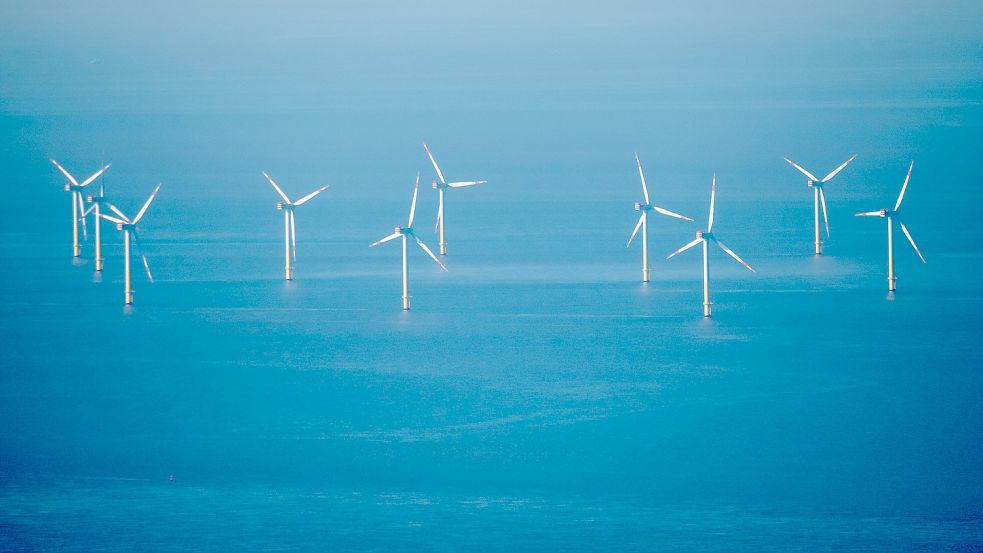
x=441 y=187
x=290 y=225
x=819 y=197
x=96 y=202
x=129 y=228
x=406 y=232
x=78 y=204
x=891 y=215
x=707 y=236
x=643 y=221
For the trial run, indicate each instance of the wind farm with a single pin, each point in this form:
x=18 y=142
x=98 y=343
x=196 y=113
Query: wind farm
x=441 y=186
x=705 y=237
x=405 y=233
x=891 y=215
x=819 y=199
x=480 y=368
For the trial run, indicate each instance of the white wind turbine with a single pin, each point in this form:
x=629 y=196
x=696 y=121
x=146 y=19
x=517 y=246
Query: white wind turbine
x=129 y=228
x=96 y=202
x=643 y=221
x=819 y=197
x=706 y=236
x=78 y=204
x=406 y=232
x=289 y=225
x=441 y=187
x=891 y=215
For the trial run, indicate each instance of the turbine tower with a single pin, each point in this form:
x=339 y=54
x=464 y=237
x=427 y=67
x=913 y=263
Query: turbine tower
x=819 y=197
x=78 y=204
x=406 y=232
x=289 y=225
x=96 y=202
x=707 y=236
x=643 y=221
x=891 y=215
x=441 y=187
x=129 y=228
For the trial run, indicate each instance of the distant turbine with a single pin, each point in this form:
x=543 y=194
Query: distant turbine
x=129 y=227
x=96 y=201
x=890 y=215
x=441 y=187
x=819 y=197
x=643 y=221
x=78 y=205
x=405 y=232
x=289 y=225
x=706 y=237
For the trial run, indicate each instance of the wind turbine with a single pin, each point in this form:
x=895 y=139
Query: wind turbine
x=643 y=221
x=289 y=225
x=707 y=236
x=78 y=204
x=441 y=187
x=96 y=202
x=129 y=227
x=891 y=215
x=406 y=232
x=819 y=197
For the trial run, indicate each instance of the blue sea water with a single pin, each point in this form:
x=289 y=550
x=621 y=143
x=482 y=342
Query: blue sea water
x=538 y=396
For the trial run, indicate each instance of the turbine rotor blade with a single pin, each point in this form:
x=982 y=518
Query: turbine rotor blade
x=838 y=169
x=94 y=176
x=116 y=210
x=430 y=253
x=146 y=205
x=392 y=236
x=434 y=161
x=671 y=213
x=462 y=184
x=416 y=188
x=645 y=189
x=822 y=199
x=638 y=225
x=113 y=219
x=731 y=253
x=684 y=248
x=713 y=194
x=277 y=188
x=66 y=173
x=311 y=195
x=146 y=266
x=907 y=234
x=809 y=175
x=904 y=186
x=82 y=217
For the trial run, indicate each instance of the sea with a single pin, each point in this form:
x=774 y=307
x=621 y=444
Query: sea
x=538 y=396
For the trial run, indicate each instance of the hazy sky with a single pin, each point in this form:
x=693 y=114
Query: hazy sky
x=71 y=57
x=204 y=95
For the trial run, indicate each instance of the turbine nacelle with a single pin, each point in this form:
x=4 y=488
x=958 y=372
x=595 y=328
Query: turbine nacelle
x=642 y=207
x=95 y=199
x=704 y=235
x=281 y=206
x=439 y=185
x=69 y=187
x=129 y=227
x=403 y=230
